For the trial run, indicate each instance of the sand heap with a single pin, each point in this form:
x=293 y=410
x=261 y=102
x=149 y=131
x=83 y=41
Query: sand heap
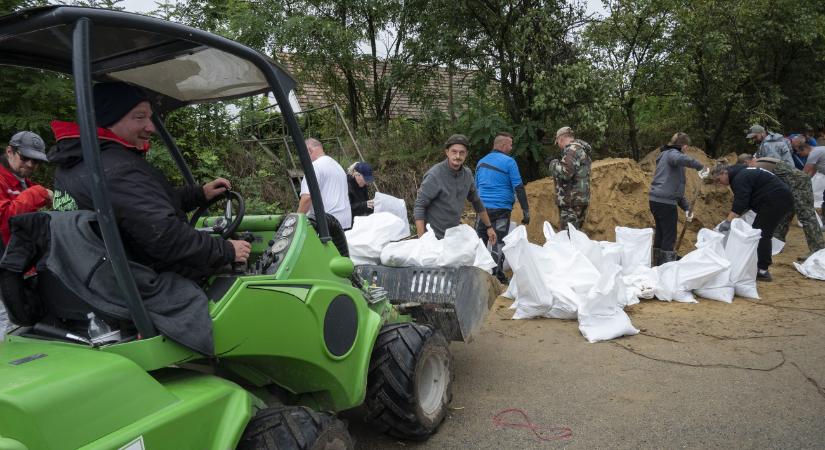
x=619 y=197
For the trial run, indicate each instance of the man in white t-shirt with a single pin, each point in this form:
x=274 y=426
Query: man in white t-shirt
x=816 y=159
x=332 y=181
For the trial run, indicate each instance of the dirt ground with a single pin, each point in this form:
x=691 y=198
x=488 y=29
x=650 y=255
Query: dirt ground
x=710 y=375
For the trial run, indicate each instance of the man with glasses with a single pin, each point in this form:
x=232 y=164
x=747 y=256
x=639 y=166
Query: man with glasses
x=18 y=194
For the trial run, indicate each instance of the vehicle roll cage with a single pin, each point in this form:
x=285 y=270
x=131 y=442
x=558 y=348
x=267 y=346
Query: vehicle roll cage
x=83 y=20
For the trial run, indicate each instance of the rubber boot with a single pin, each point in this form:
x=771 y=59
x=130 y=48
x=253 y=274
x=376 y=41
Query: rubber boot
x=656 y=257
x=666 y=257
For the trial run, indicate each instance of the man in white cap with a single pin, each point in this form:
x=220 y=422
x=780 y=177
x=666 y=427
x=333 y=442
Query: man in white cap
x=18 y=194
x=771 y=145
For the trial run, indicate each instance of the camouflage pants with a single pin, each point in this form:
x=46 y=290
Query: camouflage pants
x=803 y=203
x=574 y=214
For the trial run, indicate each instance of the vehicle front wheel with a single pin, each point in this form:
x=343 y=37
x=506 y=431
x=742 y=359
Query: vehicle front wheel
x=295 y=428
x=410 y=381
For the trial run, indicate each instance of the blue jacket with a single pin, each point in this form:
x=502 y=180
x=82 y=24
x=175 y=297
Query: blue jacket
x=497 y=176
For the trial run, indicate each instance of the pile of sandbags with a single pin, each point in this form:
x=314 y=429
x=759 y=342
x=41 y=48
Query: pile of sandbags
x=571 y=276
x=461 y=246
x=568 y=278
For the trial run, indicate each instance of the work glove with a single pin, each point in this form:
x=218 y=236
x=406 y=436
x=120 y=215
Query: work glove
x=526 y=218
x=704 y=173
x=688 y=216
x=723 y=227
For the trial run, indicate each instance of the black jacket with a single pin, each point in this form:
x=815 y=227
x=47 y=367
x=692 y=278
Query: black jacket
x=148 y=209
x=66 y=244
x=754 y=188
x=358 y=197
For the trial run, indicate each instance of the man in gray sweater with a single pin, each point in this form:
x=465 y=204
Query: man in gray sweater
x=668 y=190
x=446 y=185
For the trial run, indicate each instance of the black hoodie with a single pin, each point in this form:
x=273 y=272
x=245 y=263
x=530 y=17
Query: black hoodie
x=754 y=188
x=150 y=212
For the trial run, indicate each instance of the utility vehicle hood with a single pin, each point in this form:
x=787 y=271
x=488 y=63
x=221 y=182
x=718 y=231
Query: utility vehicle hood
x=55 y=395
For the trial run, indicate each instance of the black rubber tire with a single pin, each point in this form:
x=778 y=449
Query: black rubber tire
x=295 y=428
x=398 y=368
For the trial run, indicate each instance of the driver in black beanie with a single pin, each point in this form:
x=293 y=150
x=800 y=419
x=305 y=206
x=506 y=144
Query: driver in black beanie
x=150 y=212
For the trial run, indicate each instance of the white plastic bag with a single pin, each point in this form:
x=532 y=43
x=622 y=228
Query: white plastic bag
x=776 y=245
x=423 y=251
x=719 y=287
x=740 y=250
x=600 y=316
x=818 y=185
x=641 y=283
x=611 y=252
x=814 y=266
x=483 y=260
x=459 y=246
x=590 y=249
x=668 y=287
x=637 y=243
x=527 y=260
x=395 y=206
x=369 y=235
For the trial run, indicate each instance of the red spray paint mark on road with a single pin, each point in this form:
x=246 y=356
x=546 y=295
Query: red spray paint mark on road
x=518 y=419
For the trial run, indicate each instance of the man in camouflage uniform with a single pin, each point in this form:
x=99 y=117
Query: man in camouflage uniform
x=572 y=178
x=803 y=201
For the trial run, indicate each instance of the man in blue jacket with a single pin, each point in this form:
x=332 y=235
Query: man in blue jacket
x=667 y=190
x=498 y=181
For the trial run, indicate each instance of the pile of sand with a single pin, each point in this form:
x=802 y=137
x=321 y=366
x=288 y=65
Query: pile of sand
x=619 y=197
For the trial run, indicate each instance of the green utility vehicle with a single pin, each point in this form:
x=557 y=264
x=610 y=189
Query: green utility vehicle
x=299 y=333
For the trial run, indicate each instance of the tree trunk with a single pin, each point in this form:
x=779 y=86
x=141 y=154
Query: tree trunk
x=632 y=129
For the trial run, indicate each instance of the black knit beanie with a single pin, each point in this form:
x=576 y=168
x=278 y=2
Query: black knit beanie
x=114 y=100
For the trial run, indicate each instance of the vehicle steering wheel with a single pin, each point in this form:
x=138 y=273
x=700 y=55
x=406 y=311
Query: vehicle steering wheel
x=226 y=225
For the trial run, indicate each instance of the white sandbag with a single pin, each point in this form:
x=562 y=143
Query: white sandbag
x=483 y=260
x=369 y=235
x=719 y=287
x=641 y=283
x=459 y=245
x=611 y=252
x=669 y=287
x=590 y=249
x=814 y=266
x=547 y=229
x=637 y=243
x=776 y=245
x=395 y=206
x=699 y=267
x=506 y=266
x=740 y=250
x=423 y=251
x=532 y=299
x=600 y=316
x=570 y=267
x=512 y=291
x=537 y=293
x=818 y=185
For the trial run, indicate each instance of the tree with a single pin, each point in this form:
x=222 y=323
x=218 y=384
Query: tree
x=632 y=46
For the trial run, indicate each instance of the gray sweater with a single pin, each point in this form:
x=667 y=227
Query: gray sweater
x=668 y=185
x=440 y=199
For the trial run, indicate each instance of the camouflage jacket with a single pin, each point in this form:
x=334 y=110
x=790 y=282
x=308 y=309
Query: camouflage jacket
x=572 y=174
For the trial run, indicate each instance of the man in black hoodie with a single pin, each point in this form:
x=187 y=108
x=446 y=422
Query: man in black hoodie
x=150 y=212
x=765 y=194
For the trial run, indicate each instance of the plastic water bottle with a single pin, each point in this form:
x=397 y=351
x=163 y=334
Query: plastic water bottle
x=97 y=327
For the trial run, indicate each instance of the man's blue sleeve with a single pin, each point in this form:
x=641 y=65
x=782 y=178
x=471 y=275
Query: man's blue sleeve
x=515 y=176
